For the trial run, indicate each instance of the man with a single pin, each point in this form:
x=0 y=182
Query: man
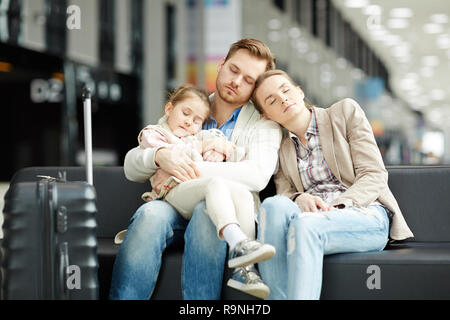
x=157 y=224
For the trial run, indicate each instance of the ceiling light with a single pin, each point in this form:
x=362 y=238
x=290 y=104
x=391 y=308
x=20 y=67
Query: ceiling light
x=302 y=46
x=421 y=101
x=357 y=74
x=430 y=61
x=294 y=32
x=437 y=94
x=391 y=39
x=401 y=13
x=378 y=31
x=373 y=10
x=274 y=24
x=356 y=3
x=400 y=51
x=443 y=41
x=433 y=28
x=404 y=59
x=408 y=84
x=439 y=18
x=341 y=63
x=414 y=92
x=427 y=72
x=397 y=24
x=412 y=75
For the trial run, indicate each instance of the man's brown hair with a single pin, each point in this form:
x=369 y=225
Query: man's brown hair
x=256 y=48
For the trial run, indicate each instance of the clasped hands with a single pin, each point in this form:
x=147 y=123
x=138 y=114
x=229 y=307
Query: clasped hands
x=175 y=162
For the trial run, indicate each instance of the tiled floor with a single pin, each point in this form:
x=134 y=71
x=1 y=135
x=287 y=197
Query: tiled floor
x=3 y=188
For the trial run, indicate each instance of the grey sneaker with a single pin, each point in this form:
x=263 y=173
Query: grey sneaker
x=249 y=252
x=247 y=279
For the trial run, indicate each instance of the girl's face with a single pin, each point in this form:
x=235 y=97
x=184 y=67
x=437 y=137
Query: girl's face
x=186 y=117
x=280 y=100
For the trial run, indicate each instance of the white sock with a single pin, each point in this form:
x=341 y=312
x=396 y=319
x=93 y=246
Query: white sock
x=233 y=234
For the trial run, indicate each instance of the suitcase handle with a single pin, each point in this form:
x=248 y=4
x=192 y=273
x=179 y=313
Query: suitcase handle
x=88 y=134
x=63 y=265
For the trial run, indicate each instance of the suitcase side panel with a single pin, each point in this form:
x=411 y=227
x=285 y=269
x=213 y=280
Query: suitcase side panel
x=40 y=245
x=75 y=240
x=22 y=258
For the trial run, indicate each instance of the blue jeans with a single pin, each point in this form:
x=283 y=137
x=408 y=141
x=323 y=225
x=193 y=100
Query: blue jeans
x=152 y=228
x=302 y=240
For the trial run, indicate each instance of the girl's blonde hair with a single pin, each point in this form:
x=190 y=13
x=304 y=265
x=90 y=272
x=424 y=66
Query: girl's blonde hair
x=188 y=90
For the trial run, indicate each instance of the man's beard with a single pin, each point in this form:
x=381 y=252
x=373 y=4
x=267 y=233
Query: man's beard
x=234 y=99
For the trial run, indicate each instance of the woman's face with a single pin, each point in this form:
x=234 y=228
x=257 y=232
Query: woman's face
x=280 y=100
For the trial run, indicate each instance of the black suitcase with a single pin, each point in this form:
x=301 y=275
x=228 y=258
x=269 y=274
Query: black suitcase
x=49 y=248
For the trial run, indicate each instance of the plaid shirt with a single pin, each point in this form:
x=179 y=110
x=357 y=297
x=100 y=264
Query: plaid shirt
x=316 y=177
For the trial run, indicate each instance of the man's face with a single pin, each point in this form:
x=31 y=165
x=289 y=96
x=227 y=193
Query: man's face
x=237 y=76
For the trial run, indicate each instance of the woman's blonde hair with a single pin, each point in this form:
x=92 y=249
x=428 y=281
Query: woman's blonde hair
x=263 y=77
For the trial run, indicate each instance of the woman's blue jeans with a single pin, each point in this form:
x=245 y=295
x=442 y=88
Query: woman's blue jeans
x=152 y=228
x=302 y=240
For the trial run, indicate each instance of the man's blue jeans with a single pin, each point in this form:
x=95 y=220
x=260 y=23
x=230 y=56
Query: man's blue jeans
x=302 y=240
x=152 y=228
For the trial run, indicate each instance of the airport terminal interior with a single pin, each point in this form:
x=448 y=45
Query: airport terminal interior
x=393 y=57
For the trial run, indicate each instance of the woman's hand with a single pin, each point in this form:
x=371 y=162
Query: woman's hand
x=310 y=203
x=176 y=163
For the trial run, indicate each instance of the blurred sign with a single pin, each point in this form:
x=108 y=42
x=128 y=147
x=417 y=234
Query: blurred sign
x=371 y=88
x=220 y=28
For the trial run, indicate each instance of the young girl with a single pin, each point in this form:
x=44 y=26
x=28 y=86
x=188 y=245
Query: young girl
x=332 y=186
x=229 y=205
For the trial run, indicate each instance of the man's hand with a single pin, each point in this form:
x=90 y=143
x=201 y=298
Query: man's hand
x=310 y=203
x=159 y=178
x=176 y=163
x=219 y=145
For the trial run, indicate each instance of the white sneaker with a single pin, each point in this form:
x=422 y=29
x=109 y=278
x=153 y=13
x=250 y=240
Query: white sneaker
x=249 y=252
x=247 y=279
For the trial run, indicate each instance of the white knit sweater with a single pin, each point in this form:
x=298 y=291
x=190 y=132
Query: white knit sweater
x=260 y=138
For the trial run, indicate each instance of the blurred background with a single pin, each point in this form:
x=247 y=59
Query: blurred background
x=393 y=57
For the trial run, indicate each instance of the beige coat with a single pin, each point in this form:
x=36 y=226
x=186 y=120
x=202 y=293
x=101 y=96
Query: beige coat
x=351 y=152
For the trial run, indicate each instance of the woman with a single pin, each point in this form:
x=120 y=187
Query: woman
x=333 y=195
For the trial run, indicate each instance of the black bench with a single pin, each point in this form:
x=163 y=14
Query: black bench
x=418 y=268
